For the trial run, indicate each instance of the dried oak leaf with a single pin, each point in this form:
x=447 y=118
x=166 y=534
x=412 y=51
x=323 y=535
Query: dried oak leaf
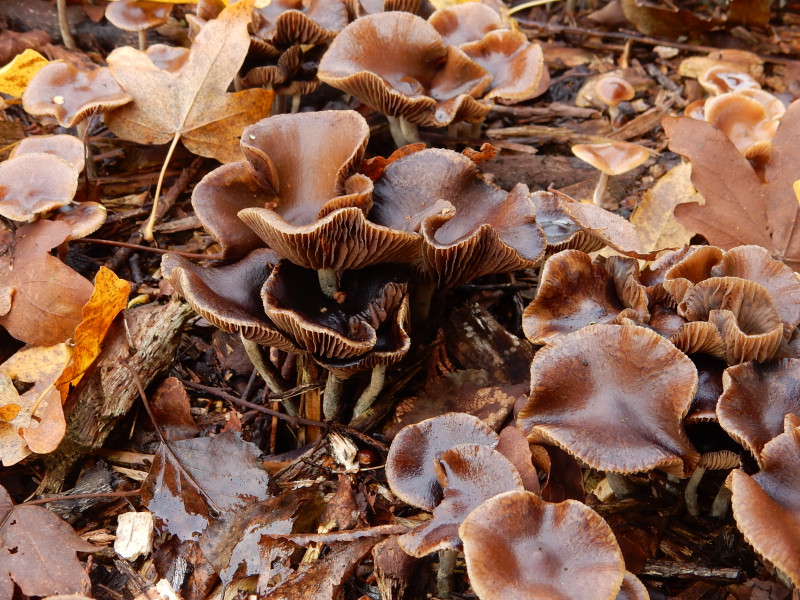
x=739 y=209
x=46 y=295
x=37 y=552
x=193 y=103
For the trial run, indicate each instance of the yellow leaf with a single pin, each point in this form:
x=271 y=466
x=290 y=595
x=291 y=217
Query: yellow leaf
x=796 y=188
x=108 y=299
x=9 y=412
x=15 y=76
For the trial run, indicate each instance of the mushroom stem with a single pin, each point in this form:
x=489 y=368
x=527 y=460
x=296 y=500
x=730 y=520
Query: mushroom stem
x=371 y=392
x=600 y=189
x=328 y=281
x=422 y=300
x=444 y=576
x=690 y=494
x=63 y=25
x=143 y=40
x=721 y=504
x=296 y=98
x=331 y=397
x=620 y=485
x=403 y=131
x=269 y=373
x=151 y=221
x=82 y=129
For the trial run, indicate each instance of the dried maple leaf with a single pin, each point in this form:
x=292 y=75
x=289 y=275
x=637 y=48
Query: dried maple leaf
x=45 y=295
x=37 y=552
x=739 y=208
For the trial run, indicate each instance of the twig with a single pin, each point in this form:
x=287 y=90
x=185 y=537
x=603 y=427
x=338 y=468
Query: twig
x=67 y=498
x=140 y=248
x=190 y=478
x=668 y=570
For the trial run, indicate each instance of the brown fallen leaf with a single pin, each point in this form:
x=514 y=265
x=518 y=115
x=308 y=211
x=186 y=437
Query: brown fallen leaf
x=37 y=552
x=46 y=295
x=191 y=104
x=739 y=209
x=108 y=299
x=39 y=424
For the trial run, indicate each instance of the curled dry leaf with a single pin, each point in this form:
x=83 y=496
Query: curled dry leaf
x=37 y=551
x=193 y=103
x=46 y=295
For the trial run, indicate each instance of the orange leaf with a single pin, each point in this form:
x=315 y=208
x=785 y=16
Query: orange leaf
x=108 y=299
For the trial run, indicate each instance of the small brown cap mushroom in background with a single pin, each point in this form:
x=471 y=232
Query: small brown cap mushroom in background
x=138 y=16
x=611 y=91
x=611 y=158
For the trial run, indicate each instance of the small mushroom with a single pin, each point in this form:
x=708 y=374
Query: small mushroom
x=516 y=545
x=721 y=79
x=67 y=147
x=32 y=184
x=611 y=91
x=466 y=22
x=138 y=16
x=611 y=158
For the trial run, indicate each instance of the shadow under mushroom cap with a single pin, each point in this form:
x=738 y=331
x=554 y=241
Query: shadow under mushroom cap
x=614 y=397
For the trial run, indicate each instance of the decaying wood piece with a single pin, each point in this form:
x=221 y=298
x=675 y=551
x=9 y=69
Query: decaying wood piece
x=147 y=339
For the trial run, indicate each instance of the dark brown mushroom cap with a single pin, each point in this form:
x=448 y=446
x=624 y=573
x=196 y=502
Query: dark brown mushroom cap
x=67 y=147
x=756 y=399
x=392 y=343
x=469 y=474
x=284 y=23
x=613 y=396
x=690 y=268
x=766 y=506
x=560 y=231
x=397 y=63
x=62 y=91
x=84 y=218
x=410 y=464
x=742 y=311
x=517 y=66
x=699 y=336
x=755 y=264
x=594 y=297
x=31 y=184
x=229 y=296
x=709 y=389
x=137 y=15
x=327 y=327
x=518 y=546
x=467 y=22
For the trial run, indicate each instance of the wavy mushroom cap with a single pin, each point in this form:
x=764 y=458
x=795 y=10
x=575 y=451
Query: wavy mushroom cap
x=699 y=337
x=709 y=390
x=137 y=15
x=517 y=66
x=560 y=231
x=600 y=292
x=516 y=545
x=410 y=464
x=467 y=22
x=84 y=218
x=756 y=399
x=67 y=147
x=721 y=79
x=612 y=158
x=766 y=506
x=742 y=311
x=339 y=328
x=613 y=396
x=361 y=8
x=689 y=268
x=32 y=184
x=612 y=90
x=469 y=474
x=284 y=23
x=397 y=63
x=743 y=120
x=60 y=90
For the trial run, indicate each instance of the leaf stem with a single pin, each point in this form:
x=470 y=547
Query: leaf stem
x=151 y=222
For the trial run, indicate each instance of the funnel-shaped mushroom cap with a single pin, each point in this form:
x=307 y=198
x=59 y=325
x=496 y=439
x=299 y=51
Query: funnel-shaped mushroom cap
x=397 y=63
x=632 y=589
x=62 y=91
x=67 y=147
x=721 y=79
x=613 y=396
x=517 y=66
x=612 y=158
x=31 y=184
x=744 y=120
x=560 y=231
x=410 y=464
x=466 y=22
x=137 y=15
x=756 y=399
x=699 y=336
x=766 y=506
x=772 y=105
x=612 y=90
x=755 y=264
x=690 y=268
x=470 y=474
x=518 y=546
x=328 y=328
x=594 y=295
x=744 y=313
x=229 y=296
x=285 y=23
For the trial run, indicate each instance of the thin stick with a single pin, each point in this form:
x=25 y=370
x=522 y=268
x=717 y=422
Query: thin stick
x=189 y=477
x=151 y=222
x=67 y=498
x=143 y=40
x=192 y=255
x=63 y=25
x=532 y=4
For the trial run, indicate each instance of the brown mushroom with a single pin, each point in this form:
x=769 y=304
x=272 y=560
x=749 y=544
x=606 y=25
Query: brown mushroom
x=410 y=467
x=721 y=79
x=285 y=23
x=611 y=91
x=67 y=147
x=614 y=396
x=743 y=120
x=518 y=546
x=463 y=23
x=138 y=16
x=84 y=218
x=611 y=158
x=560 y=231
x=32 y=184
